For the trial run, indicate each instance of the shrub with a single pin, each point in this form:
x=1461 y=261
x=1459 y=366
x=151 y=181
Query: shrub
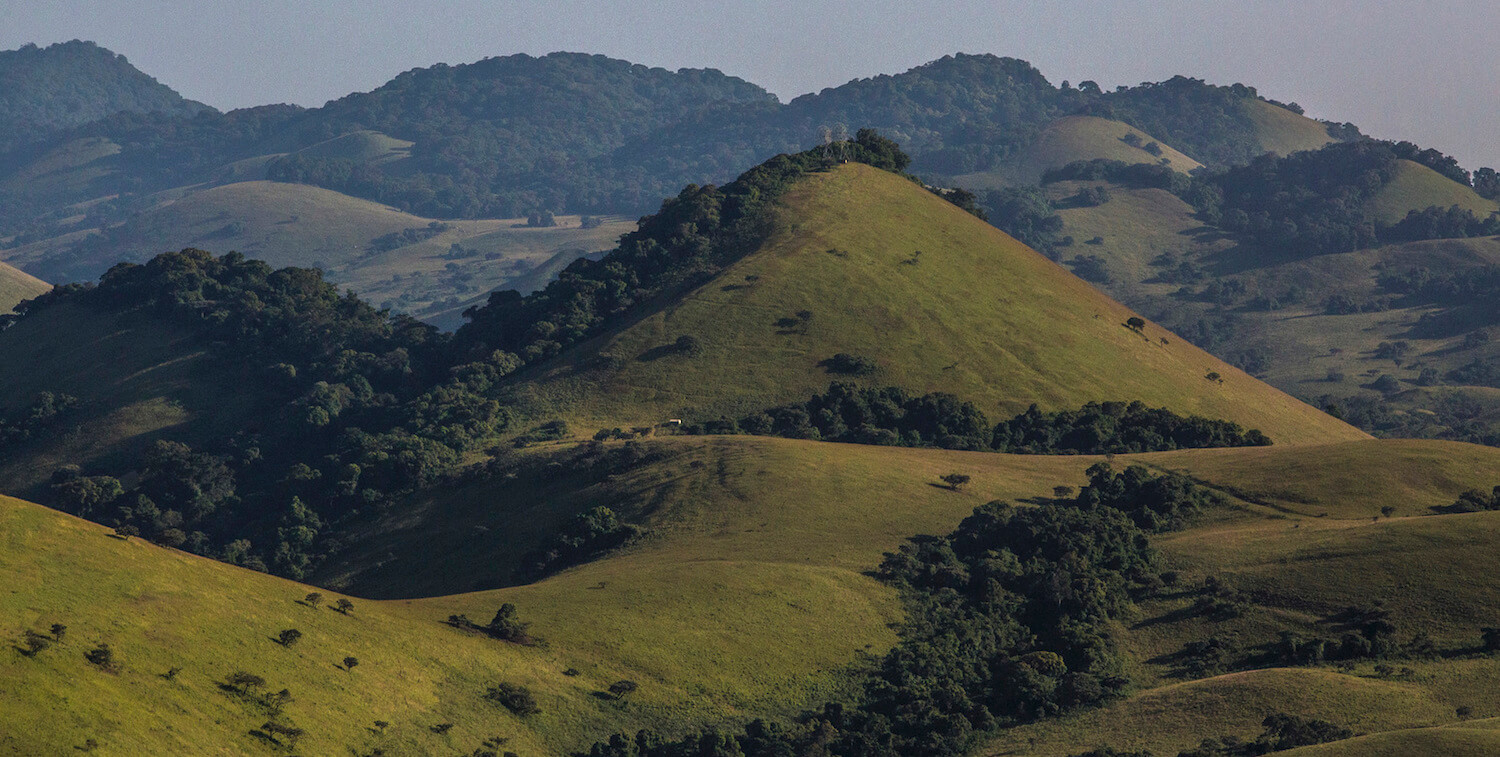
x=289 y=637
x=956 y=481
x=848 y=365
x=102 y=656
x=244 y=682
x=516 y=698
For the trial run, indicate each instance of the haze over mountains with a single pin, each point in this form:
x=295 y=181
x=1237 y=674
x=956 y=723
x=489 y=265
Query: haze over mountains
x=887 y=432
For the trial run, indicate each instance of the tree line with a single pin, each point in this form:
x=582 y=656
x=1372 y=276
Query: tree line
x=891 y=416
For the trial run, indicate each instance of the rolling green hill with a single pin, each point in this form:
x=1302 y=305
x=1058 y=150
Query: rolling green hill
x=352 y=239
x=1416 y=187
x=17 y=285
x=1283 y=131
x=749 y=597
x=938 y=299
x=1163 y=261
x=1076 y=138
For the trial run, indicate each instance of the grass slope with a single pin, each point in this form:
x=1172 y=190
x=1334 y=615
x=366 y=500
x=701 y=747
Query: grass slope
x=1283 y=132
x=1076 y=138
x=750 y=597
x=296 y=224
x=976 y=314
x=17 y=285
x=1416 y=187
x=1311 y=352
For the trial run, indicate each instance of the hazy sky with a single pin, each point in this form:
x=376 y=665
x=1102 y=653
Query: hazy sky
x=1420 y=70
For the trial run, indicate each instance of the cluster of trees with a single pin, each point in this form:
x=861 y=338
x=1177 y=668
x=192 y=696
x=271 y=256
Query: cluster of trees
x=1455 y=416
x=361 y=408
x=1007 y=622
x=1473 y=294
x=1026 y=214
x=1314 y=202
x=44 y=412
x=586 y=536
x=1117 y=428
x=398 y=239
x=891 y=416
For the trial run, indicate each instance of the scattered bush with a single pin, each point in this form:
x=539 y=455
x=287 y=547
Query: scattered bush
x=518 y=699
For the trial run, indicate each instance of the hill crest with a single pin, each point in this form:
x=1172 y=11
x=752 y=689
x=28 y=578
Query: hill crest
x=867 y=263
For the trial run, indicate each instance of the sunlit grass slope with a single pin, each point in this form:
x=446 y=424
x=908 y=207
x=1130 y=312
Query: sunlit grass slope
x=1469 y=739
x=1077 y=138
x=1303 y=539
x=941 y=301
x=749 y=597
x=17 y=285
x=159 y=609
x=1416 y=187
x=1283 y=132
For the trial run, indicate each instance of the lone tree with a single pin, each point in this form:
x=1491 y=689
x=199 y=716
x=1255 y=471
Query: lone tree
x=956 y=481
x=620 y=688
x=283 y=730
x=244 y=682
x=516 y=698
x=1134 y=323
x=343 y=605
x=350 y=662
x=102 y=656
x=33 y=642
x=58 y=630
x=507 y=625
x=278 y=701
x=288 y=637
x=313 y=598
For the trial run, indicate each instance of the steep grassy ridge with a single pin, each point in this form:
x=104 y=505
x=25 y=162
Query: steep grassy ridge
x=938 y=299
x=1076 y=138
x=17 y=285
x=1283 y=132
x=1416 y=187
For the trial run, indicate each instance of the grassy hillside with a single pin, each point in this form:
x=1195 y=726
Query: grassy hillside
x=1283 y=132
x=1416 y=187
x=1077 y=138
x=17 y=285
x=362 y=146
x=749 y=597
x=938 y=299
x=1310 y=351
x=135 y=379
x=295 y=224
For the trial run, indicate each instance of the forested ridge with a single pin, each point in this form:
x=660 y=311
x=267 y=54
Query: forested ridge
x=584 y=133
